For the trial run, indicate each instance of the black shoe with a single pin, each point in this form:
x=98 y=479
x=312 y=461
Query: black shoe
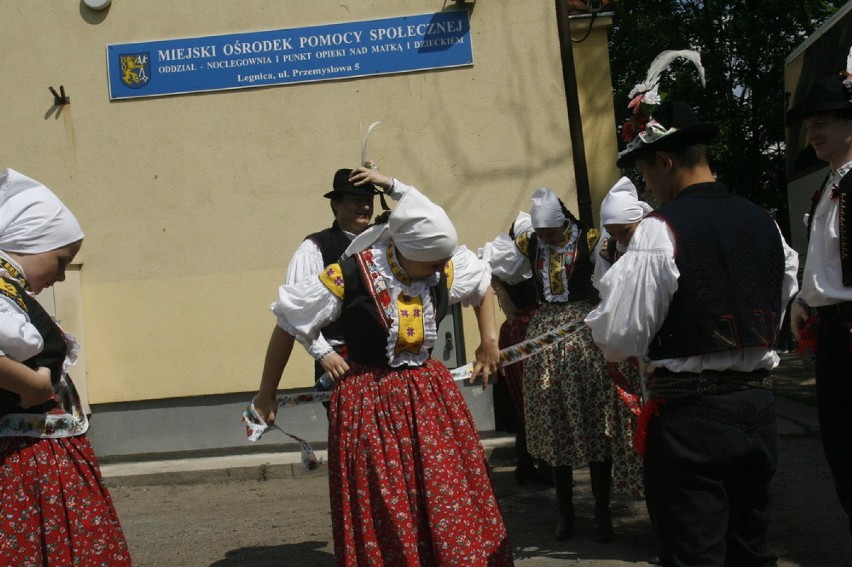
x=603 y=525
x=565 y=527
x=525 y=472
x=544 y=474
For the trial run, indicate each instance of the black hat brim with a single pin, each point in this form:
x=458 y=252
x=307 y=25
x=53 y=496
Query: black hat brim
x=829 y=94
x=702 y=133
x=366 y=191
x=804 y=110
x=342 y=186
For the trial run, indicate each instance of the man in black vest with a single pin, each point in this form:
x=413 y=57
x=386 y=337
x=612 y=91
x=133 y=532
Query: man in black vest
x=351 y=200
x=826 y=114
x=700 y=295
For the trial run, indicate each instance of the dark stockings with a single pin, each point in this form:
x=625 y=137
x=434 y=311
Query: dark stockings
x=525 y=471
x=563 y=480
x=601 y=477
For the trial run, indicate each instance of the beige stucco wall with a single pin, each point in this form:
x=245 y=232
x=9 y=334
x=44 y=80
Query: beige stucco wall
x=192 y=204
x=596 y=105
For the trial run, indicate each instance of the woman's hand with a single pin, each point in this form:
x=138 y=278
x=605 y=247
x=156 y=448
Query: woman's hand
x=38 y=390
x=266 y=406
x=277 y=354
x=487 y=354
x=487 y=363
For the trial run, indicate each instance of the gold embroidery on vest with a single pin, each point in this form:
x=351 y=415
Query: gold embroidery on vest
x=556 y=266
x=11 y=292
x=411 y=331
x=396 y=268
x=15 y=273
x=592 y=237
x=523 y=243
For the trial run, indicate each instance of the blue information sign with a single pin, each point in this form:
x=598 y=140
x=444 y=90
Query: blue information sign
x=298 y=55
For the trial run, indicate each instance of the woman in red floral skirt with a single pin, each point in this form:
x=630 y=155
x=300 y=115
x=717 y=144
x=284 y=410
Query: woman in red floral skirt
x=408 y=476
x=55 y=507
x=519 y=302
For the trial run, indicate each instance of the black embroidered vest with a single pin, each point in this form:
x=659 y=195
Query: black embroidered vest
x=731 y=262
x=52 y=355
x=523 y=294
x=332 y=242
x=580 y=277
x=846 y=228
x=845 y=217
x=363 y=330
x=609 y=250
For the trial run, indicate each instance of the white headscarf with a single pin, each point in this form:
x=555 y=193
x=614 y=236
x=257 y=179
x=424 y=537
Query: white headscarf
x=32 y=218
x=420 y=230
x=522 y=224
x=546 y=211
x=622 y=205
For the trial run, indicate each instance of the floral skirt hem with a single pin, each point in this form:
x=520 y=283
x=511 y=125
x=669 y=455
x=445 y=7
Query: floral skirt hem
x=56 y=508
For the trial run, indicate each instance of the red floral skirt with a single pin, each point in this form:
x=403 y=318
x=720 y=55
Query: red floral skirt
x=511 y=333
x=408 y=476
x=55 y=507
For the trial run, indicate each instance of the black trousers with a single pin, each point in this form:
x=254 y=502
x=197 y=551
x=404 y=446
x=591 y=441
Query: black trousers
x=709 y=463
x=834 y=398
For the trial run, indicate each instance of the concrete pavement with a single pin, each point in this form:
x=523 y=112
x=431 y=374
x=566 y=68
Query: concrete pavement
x=795 y=401
x=171 y=509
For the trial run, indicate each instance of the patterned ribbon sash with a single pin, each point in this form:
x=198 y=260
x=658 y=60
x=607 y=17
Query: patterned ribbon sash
x=256 y=426
x=67 y=419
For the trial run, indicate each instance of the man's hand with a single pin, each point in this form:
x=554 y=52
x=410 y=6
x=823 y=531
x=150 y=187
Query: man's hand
x=335 y=366
x=362 y=175
x=798 y=317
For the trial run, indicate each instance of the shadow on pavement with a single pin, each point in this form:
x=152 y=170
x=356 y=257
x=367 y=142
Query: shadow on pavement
x=530 y=515
x=292 y=555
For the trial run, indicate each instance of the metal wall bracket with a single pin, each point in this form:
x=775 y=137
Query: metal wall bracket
x=60 y=98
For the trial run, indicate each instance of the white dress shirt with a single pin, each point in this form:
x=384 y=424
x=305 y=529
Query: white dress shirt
x=635 y=296
x=822 y=282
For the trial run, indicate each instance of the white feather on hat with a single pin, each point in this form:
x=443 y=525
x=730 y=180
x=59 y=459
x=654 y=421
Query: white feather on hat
x=660 y=63
x=640 y=128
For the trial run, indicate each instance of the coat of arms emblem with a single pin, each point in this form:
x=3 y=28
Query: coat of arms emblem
x=135 y=69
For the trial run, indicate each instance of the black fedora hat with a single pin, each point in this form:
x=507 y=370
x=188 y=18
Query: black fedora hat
x=829 y=94
x=673 y=125
x=342 y=186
